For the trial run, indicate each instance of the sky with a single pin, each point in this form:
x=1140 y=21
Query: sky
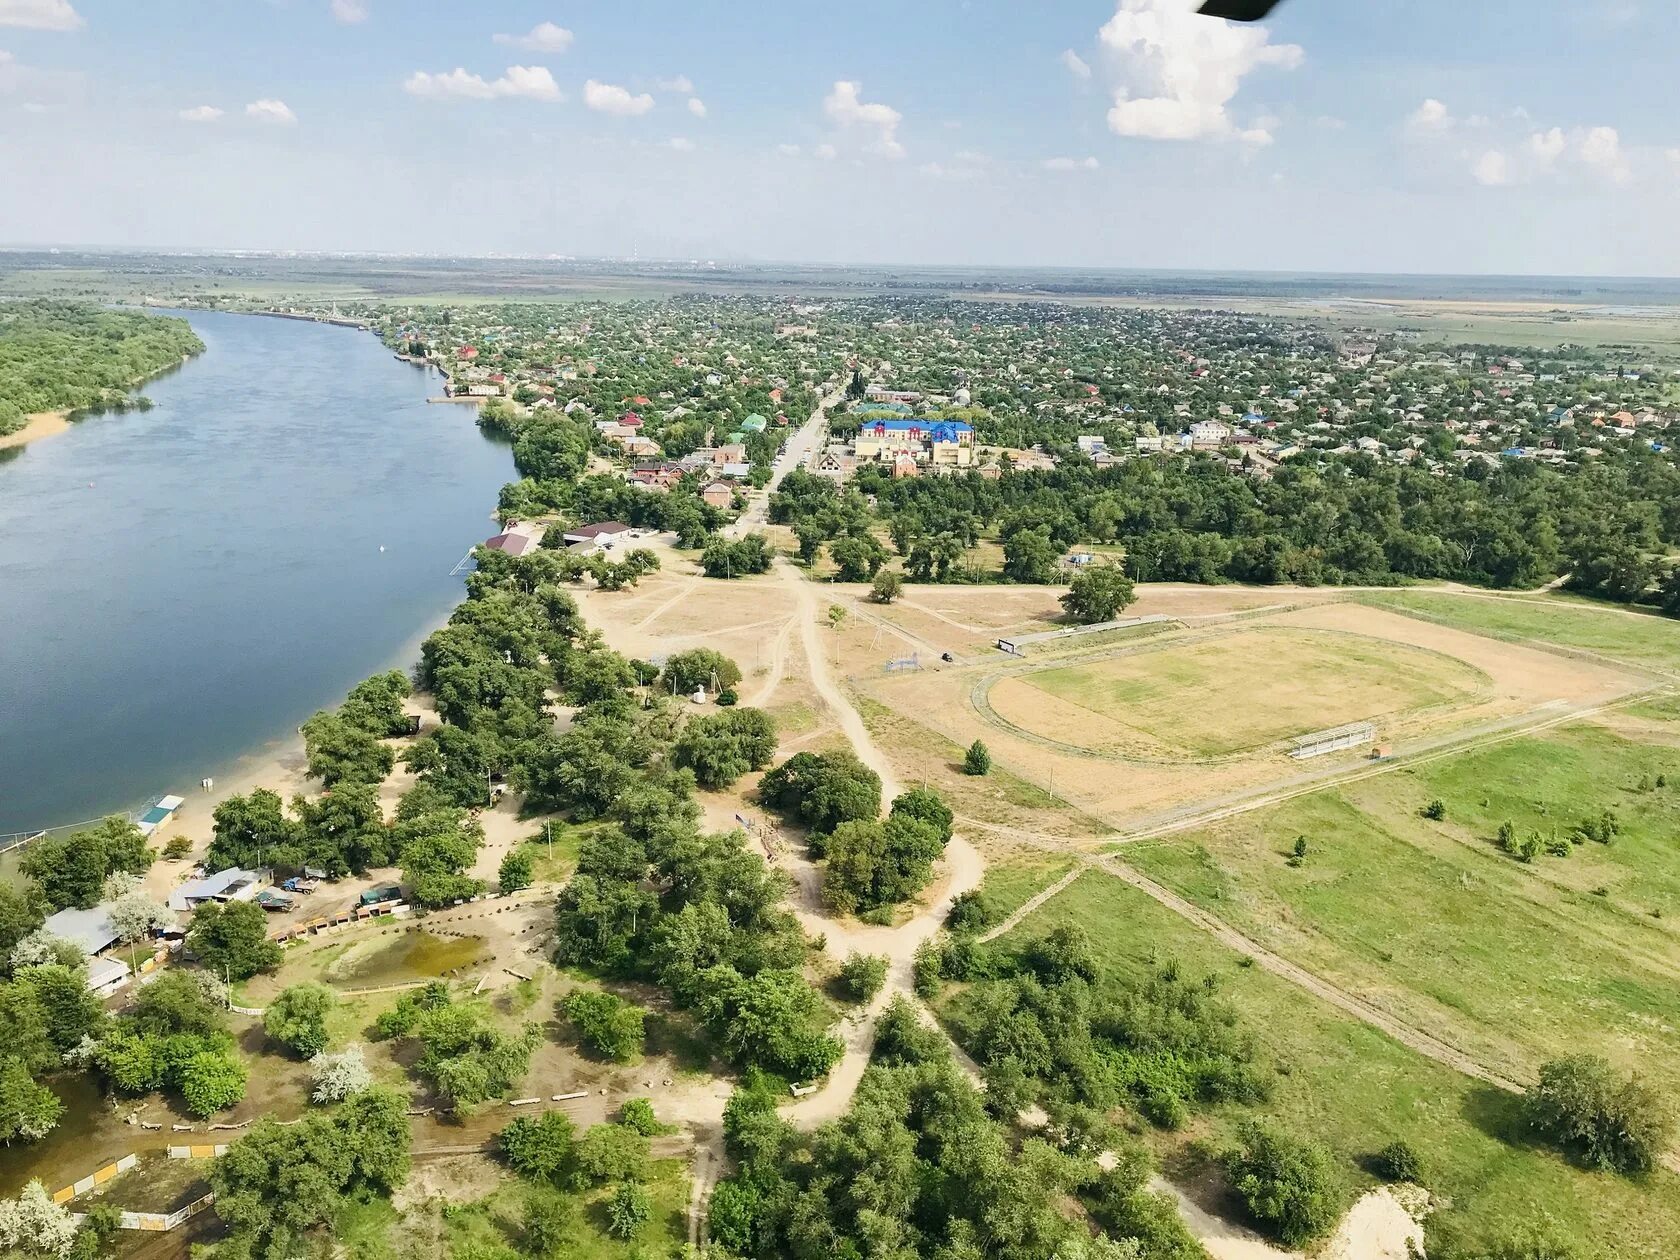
x=1430 y=136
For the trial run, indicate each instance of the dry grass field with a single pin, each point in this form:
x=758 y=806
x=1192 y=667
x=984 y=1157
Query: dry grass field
x=1232 y=692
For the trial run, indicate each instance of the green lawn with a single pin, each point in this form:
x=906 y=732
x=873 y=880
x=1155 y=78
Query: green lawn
x=1516 y=963
x=1011 y=883
x=1355 y=1090
x=1638 y=638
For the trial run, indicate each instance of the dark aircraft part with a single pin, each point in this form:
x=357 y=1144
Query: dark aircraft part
x=1238 y=10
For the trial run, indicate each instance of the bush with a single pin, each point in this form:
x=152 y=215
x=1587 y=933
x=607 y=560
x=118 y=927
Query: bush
x=538 y=1148
x=630 y=1208
x=862 y=975
x=212 y=1081
x=178 y=849
x=637 y=1114
x=1288 y=1185
x=1612 y=1124
x=928 y=968
x=515 y=871
x=1436 y=810
x=971 y=914
x=977 y=760
x=608 y=1152
x=613 y=1028
x=1398 y=1161
x=297 y=1018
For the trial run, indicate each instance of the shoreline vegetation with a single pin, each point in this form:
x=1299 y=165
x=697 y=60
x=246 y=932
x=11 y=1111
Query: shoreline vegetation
x=61 y=361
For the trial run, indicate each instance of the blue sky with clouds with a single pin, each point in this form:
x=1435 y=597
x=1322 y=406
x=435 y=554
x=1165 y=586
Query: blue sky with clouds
x=1407 y=135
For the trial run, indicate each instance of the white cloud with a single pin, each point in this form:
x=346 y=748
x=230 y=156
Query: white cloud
x=1071 y=164
x=40 y=15
x=1187 y=69
x=845 y=106
x=350 y=11
x=1547 y=146
x=609 y=98
x=1601 y=149
x=1431 y=116
x=1075 y=64
x=544 y=37
x=697 y=107
x=827 y=152
x=788 y=150
x=1673 y=156
x=530 y=82
x=201 y=113
x=270 y=110
x=682 y=85
x=682 y=144
x=1493 y=169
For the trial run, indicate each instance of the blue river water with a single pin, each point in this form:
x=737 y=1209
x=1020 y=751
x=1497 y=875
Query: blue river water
x=181 y=586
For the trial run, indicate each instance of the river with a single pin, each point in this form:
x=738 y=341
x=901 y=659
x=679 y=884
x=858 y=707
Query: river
x=181 y=586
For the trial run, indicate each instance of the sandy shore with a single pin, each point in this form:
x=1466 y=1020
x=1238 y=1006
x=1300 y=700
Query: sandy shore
x=41 y=424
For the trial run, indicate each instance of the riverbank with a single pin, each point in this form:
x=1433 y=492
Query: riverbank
x=42 y=424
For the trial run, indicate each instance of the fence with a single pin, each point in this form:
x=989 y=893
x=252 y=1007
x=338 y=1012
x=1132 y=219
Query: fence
x=1013 y=646
x=1335 y=739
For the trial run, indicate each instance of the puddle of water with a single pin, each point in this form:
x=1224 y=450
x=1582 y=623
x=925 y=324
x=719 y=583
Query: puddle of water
x=411 y=956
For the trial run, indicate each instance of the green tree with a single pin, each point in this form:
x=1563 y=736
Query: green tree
x=697 y=669
x=538 y=1148
x=1289 y=1186
x=1029 y=556
x=977 y=760
x=339 y=751
x=887 y=587
x=862 y=975
x=608 y=1152
x=211 y=1081
x=71 y=870
x=297 y=1018
x=28 y=1109
x=231 y=939
x=721 y=748
x=637 y=1114
x=629 y=1209
x=1098 y=593
x=515 y=871
x=1611 y=1123
x=610 y=1026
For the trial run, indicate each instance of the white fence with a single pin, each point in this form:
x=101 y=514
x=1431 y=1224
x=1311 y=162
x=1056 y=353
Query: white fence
x=1318 y=743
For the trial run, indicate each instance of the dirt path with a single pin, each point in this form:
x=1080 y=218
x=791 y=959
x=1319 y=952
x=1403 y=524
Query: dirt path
x=1033 y=903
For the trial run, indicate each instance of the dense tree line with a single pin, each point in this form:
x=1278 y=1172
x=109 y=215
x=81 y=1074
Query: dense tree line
x=57 y=356
x=1335 y=519
x=917 y=1167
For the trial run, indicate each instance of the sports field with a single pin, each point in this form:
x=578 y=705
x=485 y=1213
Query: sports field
x=1232 y=693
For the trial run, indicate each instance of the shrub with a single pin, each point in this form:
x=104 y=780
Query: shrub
x=1398 y=1161
x=211 y=1081
x=1612 y=1124
x=630 y=1208
x=971 y=913
x=538 y=1148
x=928 y=968
x=1436 y=810
x=1288 y=1185
x=178 y=849
x=862 y=975
x=612 y=1027
x=977 y=760
x=637 y=1114
x=297 y=1018
x=515 y=871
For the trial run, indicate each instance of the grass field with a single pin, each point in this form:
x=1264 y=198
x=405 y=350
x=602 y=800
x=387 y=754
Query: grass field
x=1244 y=690
x=1355 y=1090
x=490 y=1227
x=1515 y=962
x=1637 y=638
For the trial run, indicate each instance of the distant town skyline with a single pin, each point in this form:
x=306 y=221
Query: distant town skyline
x=1426 y=138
